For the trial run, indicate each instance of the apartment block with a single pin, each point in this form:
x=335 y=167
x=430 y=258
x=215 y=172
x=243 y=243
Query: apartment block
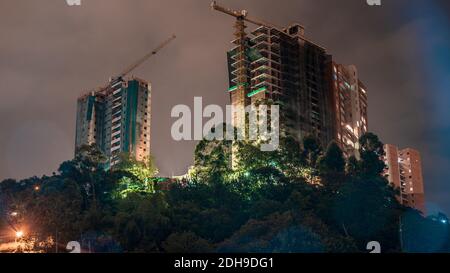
x=116 y=119
x=404 y=171
x=349 y=107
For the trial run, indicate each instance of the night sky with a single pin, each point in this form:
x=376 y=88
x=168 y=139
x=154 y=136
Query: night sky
x=51 y=53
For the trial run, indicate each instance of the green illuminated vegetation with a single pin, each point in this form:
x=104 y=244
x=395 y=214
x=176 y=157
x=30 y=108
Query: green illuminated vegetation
x=138 y=177
x=300 y=198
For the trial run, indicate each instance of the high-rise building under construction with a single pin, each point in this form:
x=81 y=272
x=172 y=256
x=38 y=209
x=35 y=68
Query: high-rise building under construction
x=116 y=119
x=282 y=66
x=316 y=96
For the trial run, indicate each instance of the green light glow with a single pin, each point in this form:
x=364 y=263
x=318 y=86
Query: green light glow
x=254 y=92
x=233 y=88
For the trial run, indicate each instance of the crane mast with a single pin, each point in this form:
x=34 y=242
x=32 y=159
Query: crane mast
x=239 y=97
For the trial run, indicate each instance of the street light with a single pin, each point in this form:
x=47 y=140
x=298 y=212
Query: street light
x=19 y=234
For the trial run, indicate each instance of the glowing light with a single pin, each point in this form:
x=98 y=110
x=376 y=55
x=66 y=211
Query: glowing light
x=350 y=128
x=14 y=214
x=19 y=234
x=254 y=92
x=231 y=89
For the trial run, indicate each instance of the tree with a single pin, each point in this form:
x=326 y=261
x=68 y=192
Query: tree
x=256 y=235
x=186 y=242
x=55 y=211
x=212 y=159
x=366 y=207
x=372 y=152
x=88 y=169
x=295 y=199
x=135 y=176
x=332 y=166
x=297 y=239
x=311 y=151
x=142 y=222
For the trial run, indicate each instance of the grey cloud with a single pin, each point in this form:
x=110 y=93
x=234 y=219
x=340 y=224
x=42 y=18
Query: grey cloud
x=51 y=53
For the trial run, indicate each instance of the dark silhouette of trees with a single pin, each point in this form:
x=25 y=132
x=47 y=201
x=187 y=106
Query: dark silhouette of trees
x=299 y=198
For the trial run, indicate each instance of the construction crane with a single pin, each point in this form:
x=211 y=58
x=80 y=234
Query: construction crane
x=241 y=44
x=146 y=57
x=239 y=97
x=139 y=62
x=241 y=15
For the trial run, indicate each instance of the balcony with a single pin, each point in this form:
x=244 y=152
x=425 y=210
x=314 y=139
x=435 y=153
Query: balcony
x=116 y=119
x=260 y=38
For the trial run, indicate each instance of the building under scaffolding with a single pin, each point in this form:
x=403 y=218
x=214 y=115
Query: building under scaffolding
x=116 y=119
x=283 y=66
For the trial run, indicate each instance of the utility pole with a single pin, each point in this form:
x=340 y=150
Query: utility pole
x=401 y=232
x=56 y=241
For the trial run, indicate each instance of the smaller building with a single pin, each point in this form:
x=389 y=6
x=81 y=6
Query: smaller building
x=404 y=171
x=116 y=119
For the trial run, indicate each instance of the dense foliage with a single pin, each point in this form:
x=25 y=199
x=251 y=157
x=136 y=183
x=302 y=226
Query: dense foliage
x=299 y=198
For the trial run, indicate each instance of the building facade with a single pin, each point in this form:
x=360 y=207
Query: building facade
x=316 y=95
x=116 y=119
x=404 y=171
x=349 y=107
x=286 y=68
